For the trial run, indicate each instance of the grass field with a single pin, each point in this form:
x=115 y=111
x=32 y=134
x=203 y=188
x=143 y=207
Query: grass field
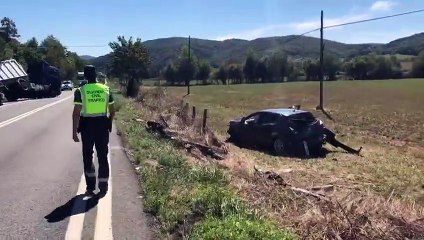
x=385 y=117
x=379 y=195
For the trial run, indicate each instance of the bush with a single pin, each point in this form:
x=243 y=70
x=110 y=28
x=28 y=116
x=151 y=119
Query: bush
x=237 y=227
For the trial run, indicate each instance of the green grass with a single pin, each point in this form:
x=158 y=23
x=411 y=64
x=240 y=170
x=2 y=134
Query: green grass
x=236 y=227
x=183 y=196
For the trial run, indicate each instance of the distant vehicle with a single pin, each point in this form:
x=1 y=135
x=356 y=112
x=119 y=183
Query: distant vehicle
x=39 y=81
x=81 y=79
x=101 y=78
x=67 y=85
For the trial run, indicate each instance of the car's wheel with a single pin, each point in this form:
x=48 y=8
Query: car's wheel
x=279 y=147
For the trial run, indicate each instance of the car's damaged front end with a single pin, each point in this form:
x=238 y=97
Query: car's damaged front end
x=307 y=134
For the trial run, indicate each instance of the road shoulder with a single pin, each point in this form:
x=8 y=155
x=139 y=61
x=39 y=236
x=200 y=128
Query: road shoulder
x=129 y=219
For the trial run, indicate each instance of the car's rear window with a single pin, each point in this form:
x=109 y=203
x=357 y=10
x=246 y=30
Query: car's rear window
x=66 y=82
x=302 y=118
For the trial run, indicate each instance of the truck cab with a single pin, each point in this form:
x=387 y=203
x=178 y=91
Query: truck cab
x=81 y=79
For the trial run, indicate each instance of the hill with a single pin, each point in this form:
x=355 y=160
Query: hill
x=411 y=45
x=87 y=57
x=163 y=51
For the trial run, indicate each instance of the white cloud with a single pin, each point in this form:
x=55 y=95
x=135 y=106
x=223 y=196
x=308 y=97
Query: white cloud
x=382 y=6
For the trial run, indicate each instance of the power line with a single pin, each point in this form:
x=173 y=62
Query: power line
x=300 y=35
x=354 y=22
x=84 y=46
x=80 y=46
x=374 y=19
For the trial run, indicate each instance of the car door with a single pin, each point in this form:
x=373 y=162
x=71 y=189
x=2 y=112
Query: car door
x=265 y=128
x=249 y=129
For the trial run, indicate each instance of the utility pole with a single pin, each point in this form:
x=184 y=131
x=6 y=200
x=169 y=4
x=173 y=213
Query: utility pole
x=321 y=64
x=189 y=61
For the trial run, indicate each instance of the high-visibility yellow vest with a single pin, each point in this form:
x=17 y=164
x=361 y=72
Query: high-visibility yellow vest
x=95 y=100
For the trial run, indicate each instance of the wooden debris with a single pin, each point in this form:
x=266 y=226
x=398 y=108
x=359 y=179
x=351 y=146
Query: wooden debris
x=276 y=178
x=325 y=188
x=165 y=123
x=169 y=134
x=287 y=170
x=270 y=175
x=304 y=191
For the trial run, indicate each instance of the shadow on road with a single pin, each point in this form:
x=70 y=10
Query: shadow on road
x=74 y=206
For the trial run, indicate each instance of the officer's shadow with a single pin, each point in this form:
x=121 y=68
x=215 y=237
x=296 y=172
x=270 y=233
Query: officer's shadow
x=77 y=205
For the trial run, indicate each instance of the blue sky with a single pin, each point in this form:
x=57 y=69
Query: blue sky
x=96 y=22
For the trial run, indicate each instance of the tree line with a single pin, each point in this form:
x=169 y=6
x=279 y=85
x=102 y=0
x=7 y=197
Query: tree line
x=277 y=68
x=49 y=49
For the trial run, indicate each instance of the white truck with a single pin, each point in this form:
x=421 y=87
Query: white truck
x=41 y=80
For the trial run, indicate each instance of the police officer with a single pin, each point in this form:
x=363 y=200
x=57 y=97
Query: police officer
x=92 y=103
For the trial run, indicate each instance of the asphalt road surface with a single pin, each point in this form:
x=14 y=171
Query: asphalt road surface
x=42 y=182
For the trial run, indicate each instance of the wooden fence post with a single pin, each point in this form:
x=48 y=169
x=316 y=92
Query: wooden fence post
x=205 y=116
x=186 y=109
x=193 y=114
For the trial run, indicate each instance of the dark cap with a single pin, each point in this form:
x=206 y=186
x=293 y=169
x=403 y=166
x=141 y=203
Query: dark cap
x=90 y=73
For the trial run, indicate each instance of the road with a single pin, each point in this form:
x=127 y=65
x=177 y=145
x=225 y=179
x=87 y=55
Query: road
x=42 y=182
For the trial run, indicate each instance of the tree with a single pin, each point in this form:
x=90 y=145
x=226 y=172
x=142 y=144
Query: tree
x=277 y=67
x=249 y=68
x=186 y=69
x=235 y=73
x=418 y=66
x=222 y=75
x=170 y=75
x=382 y=69
x=130 y=60
x=78 y=62
x=331 y=66
x=54 y=52
x=312 y=70
x=8 y=29
x=72 y=64
x=292 y=72
x=359 y=67
x=32 y=43
x=261 y=72
x=204 y=72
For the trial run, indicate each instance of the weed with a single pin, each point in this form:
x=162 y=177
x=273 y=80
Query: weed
x=237 y=227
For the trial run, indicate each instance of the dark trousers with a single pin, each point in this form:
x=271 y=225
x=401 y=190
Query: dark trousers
x=95 y=133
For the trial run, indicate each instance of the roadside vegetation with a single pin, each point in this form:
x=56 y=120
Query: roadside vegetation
x=189 y=201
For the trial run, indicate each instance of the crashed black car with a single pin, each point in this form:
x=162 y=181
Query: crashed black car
x=285 y=131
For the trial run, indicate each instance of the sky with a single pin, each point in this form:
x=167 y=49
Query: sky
x=87 y=27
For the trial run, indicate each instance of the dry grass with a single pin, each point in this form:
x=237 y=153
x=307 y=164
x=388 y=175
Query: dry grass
x=377 y=196
x=173 y=112
x=348 y=214
x=385 y=117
